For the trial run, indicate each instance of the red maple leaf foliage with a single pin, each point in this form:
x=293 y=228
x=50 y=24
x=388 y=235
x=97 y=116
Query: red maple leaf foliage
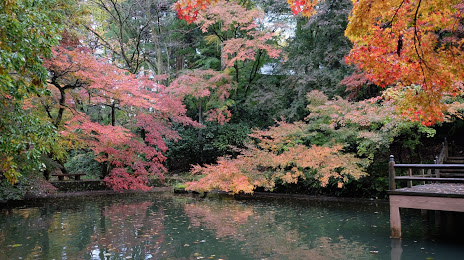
x=210 y=90
x=304 y=7
x=133 y=145
x=188 y=10
x=246 y=40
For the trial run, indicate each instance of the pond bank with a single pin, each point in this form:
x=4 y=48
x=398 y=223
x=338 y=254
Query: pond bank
x=271 y=195
x=256 y=195
x=75 y=194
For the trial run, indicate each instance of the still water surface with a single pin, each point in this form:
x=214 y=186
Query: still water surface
x=162 y=226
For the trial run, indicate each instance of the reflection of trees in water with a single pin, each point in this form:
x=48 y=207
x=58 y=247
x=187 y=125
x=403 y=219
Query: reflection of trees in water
x=225 y=222
x=15 y=224
x=82 y=231
x=271 y=234
x=181 y=228
x=128 y=230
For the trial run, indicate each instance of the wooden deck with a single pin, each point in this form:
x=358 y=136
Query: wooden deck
x=438 y=186
x=449 y=190
x=443 y=196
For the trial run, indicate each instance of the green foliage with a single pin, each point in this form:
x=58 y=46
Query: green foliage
x=23 y=138
x=179 y=186
x=83 y=162
x=316 y=55
x=28 y=30
x=29 y=184
x=11 y=192
x=205 y=145
x=208 y=56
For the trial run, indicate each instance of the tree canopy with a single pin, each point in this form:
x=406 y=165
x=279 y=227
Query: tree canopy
x=413 y=46
x=28 y=30
x=306 y=91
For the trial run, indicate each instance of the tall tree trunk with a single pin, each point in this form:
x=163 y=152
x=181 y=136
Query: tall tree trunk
x=200 y=132
x=104 y=169
x=179 y=62
x=200 y=117
x=223 y=60
x=46 y=174
x=105 y=165
x=61 y=109
x=236 y=72
x=113 y=115
x=155 y=35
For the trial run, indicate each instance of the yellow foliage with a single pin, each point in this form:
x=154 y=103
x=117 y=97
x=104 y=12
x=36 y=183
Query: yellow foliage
x=8 y=168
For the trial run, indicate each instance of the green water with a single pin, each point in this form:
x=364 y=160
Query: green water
x=162 y=226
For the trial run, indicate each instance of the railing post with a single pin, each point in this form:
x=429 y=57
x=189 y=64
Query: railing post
x=410 y=175
x=437 y=171
x=446 y=151
x=391 y=172
x=423 y=175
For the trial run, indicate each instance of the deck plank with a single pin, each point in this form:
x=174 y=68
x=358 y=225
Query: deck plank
x=434 y=189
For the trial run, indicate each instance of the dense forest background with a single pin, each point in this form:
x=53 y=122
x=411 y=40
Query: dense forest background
x=242 y=96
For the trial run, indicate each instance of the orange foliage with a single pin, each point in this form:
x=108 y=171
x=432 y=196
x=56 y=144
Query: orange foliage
x=225 y=176
x=415 y=45
x=407 y=43
x=455 y=110
x=279 y=155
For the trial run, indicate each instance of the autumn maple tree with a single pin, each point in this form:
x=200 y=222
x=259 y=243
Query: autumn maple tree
x=236 y=31
x=279 y=155
x=188 y=9
x=130 y=148
x=209 y=92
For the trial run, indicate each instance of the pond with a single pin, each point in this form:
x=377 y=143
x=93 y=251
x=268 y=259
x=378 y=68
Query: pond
x=167 y=226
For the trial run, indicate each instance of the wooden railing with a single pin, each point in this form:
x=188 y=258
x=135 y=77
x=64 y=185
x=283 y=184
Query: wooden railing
x=421 y=172
x=425 y=172
x=428 y=172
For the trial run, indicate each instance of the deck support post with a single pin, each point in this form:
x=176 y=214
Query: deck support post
x=395 y=221
x=437 y=219
x=424 y=214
